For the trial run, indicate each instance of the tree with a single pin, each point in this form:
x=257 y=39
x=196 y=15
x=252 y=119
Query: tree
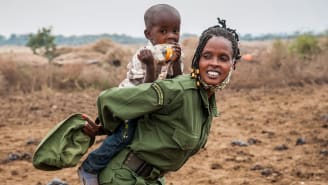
x=43 y=43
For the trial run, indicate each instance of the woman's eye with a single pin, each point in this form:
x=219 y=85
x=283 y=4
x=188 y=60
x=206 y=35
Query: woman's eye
x=207 y=55
x=224 y=58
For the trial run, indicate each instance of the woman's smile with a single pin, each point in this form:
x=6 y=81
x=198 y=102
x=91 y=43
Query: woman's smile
x=213 y=74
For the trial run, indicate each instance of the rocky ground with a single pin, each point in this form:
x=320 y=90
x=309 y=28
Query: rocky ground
x=263 y=136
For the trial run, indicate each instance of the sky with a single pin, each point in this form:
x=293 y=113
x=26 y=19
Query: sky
x=79 y=17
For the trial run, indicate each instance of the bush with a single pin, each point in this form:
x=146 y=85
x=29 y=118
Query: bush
x=24 y=78
x=305 y=46
x=278 y=53
x=43 y=43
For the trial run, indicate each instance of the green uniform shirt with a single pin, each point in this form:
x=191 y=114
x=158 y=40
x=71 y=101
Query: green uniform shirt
x=175 y=119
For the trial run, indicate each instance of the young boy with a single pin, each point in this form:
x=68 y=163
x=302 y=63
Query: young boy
x=162 y=24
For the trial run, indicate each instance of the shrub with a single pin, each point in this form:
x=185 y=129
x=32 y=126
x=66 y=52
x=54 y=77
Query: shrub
x=278 y=53
x=43 y=43
x=305 y=46
x=24 y=78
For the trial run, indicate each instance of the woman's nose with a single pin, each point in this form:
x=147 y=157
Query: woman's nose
x=218 y=62
x=215 y=61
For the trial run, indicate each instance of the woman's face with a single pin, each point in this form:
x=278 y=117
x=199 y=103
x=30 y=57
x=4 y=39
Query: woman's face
x=216 y=60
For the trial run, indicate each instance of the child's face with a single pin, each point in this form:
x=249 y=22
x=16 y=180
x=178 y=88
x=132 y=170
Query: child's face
x=216 y=60
x=165 y=29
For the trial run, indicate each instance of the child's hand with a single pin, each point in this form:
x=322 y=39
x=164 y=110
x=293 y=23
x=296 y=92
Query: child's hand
x=177 y=52
x=146 y=56
x=91 y=128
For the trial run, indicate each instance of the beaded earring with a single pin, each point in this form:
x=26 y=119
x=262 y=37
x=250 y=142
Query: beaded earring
x=195 y=75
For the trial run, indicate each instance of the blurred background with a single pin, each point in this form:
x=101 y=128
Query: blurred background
x=92 y=41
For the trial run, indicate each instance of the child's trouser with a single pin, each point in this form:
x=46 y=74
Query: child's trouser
x=99 y=158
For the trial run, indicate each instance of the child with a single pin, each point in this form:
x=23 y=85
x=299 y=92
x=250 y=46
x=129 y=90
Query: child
x=162 y=24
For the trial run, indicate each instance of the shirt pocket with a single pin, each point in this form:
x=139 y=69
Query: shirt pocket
x=186 y=141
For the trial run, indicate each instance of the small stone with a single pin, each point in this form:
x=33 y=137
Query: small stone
x=13 y=156
x=239 y=143
x=300 y=141
x=215 y=166
x=18 y=156
x=281 y=147
x=324 y=152
x=257 y=167
x=25 y=156
x=32 y=142
x=57 y=181
x=253 y=141
x=266 y=172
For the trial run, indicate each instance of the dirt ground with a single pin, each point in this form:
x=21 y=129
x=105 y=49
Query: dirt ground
x=263 y=136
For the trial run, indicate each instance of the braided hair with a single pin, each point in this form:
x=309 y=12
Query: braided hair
x=220 y=30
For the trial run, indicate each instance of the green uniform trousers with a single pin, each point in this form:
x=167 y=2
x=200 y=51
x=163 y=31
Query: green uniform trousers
x=116 y=173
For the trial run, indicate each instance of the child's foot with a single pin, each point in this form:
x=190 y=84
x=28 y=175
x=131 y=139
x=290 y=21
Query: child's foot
x=87 y=178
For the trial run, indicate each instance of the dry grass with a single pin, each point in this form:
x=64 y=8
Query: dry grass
x=272 y=66
x=278 y=67
x=26 y=79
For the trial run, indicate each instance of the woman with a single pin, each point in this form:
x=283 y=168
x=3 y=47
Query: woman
x=174 y=116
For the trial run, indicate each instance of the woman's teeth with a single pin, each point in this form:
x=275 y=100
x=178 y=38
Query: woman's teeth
x=213 y=73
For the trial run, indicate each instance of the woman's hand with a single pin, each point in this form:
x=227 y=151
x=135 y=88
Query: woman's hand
x=90 y=127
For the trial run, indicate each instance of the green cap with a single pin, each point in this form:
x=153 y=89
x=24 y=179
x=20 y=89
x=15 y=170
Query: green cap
x=63 y=146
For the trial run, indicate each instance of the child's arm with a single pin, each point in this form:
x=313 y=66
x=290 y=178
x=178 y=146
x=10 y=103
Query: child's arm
x=176 y=61
x=176 y=66
x=150 y=73
x=146 y=57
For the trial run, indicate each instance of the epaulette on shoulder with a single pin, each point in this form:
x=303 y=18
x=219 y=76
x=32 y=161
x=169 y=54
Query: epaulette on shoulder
x=160 y=94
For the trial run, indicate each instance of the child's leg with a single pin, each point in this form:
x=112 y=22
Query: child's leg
x=99 y=158
x=87 y=178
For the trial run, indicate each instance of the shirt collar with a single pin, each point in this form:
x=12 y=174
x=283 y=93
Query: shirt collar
x=209 y=103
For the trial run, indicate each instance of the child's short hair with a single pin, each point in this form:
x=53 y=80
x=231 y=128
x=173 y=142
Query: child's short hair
x=153 y=10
